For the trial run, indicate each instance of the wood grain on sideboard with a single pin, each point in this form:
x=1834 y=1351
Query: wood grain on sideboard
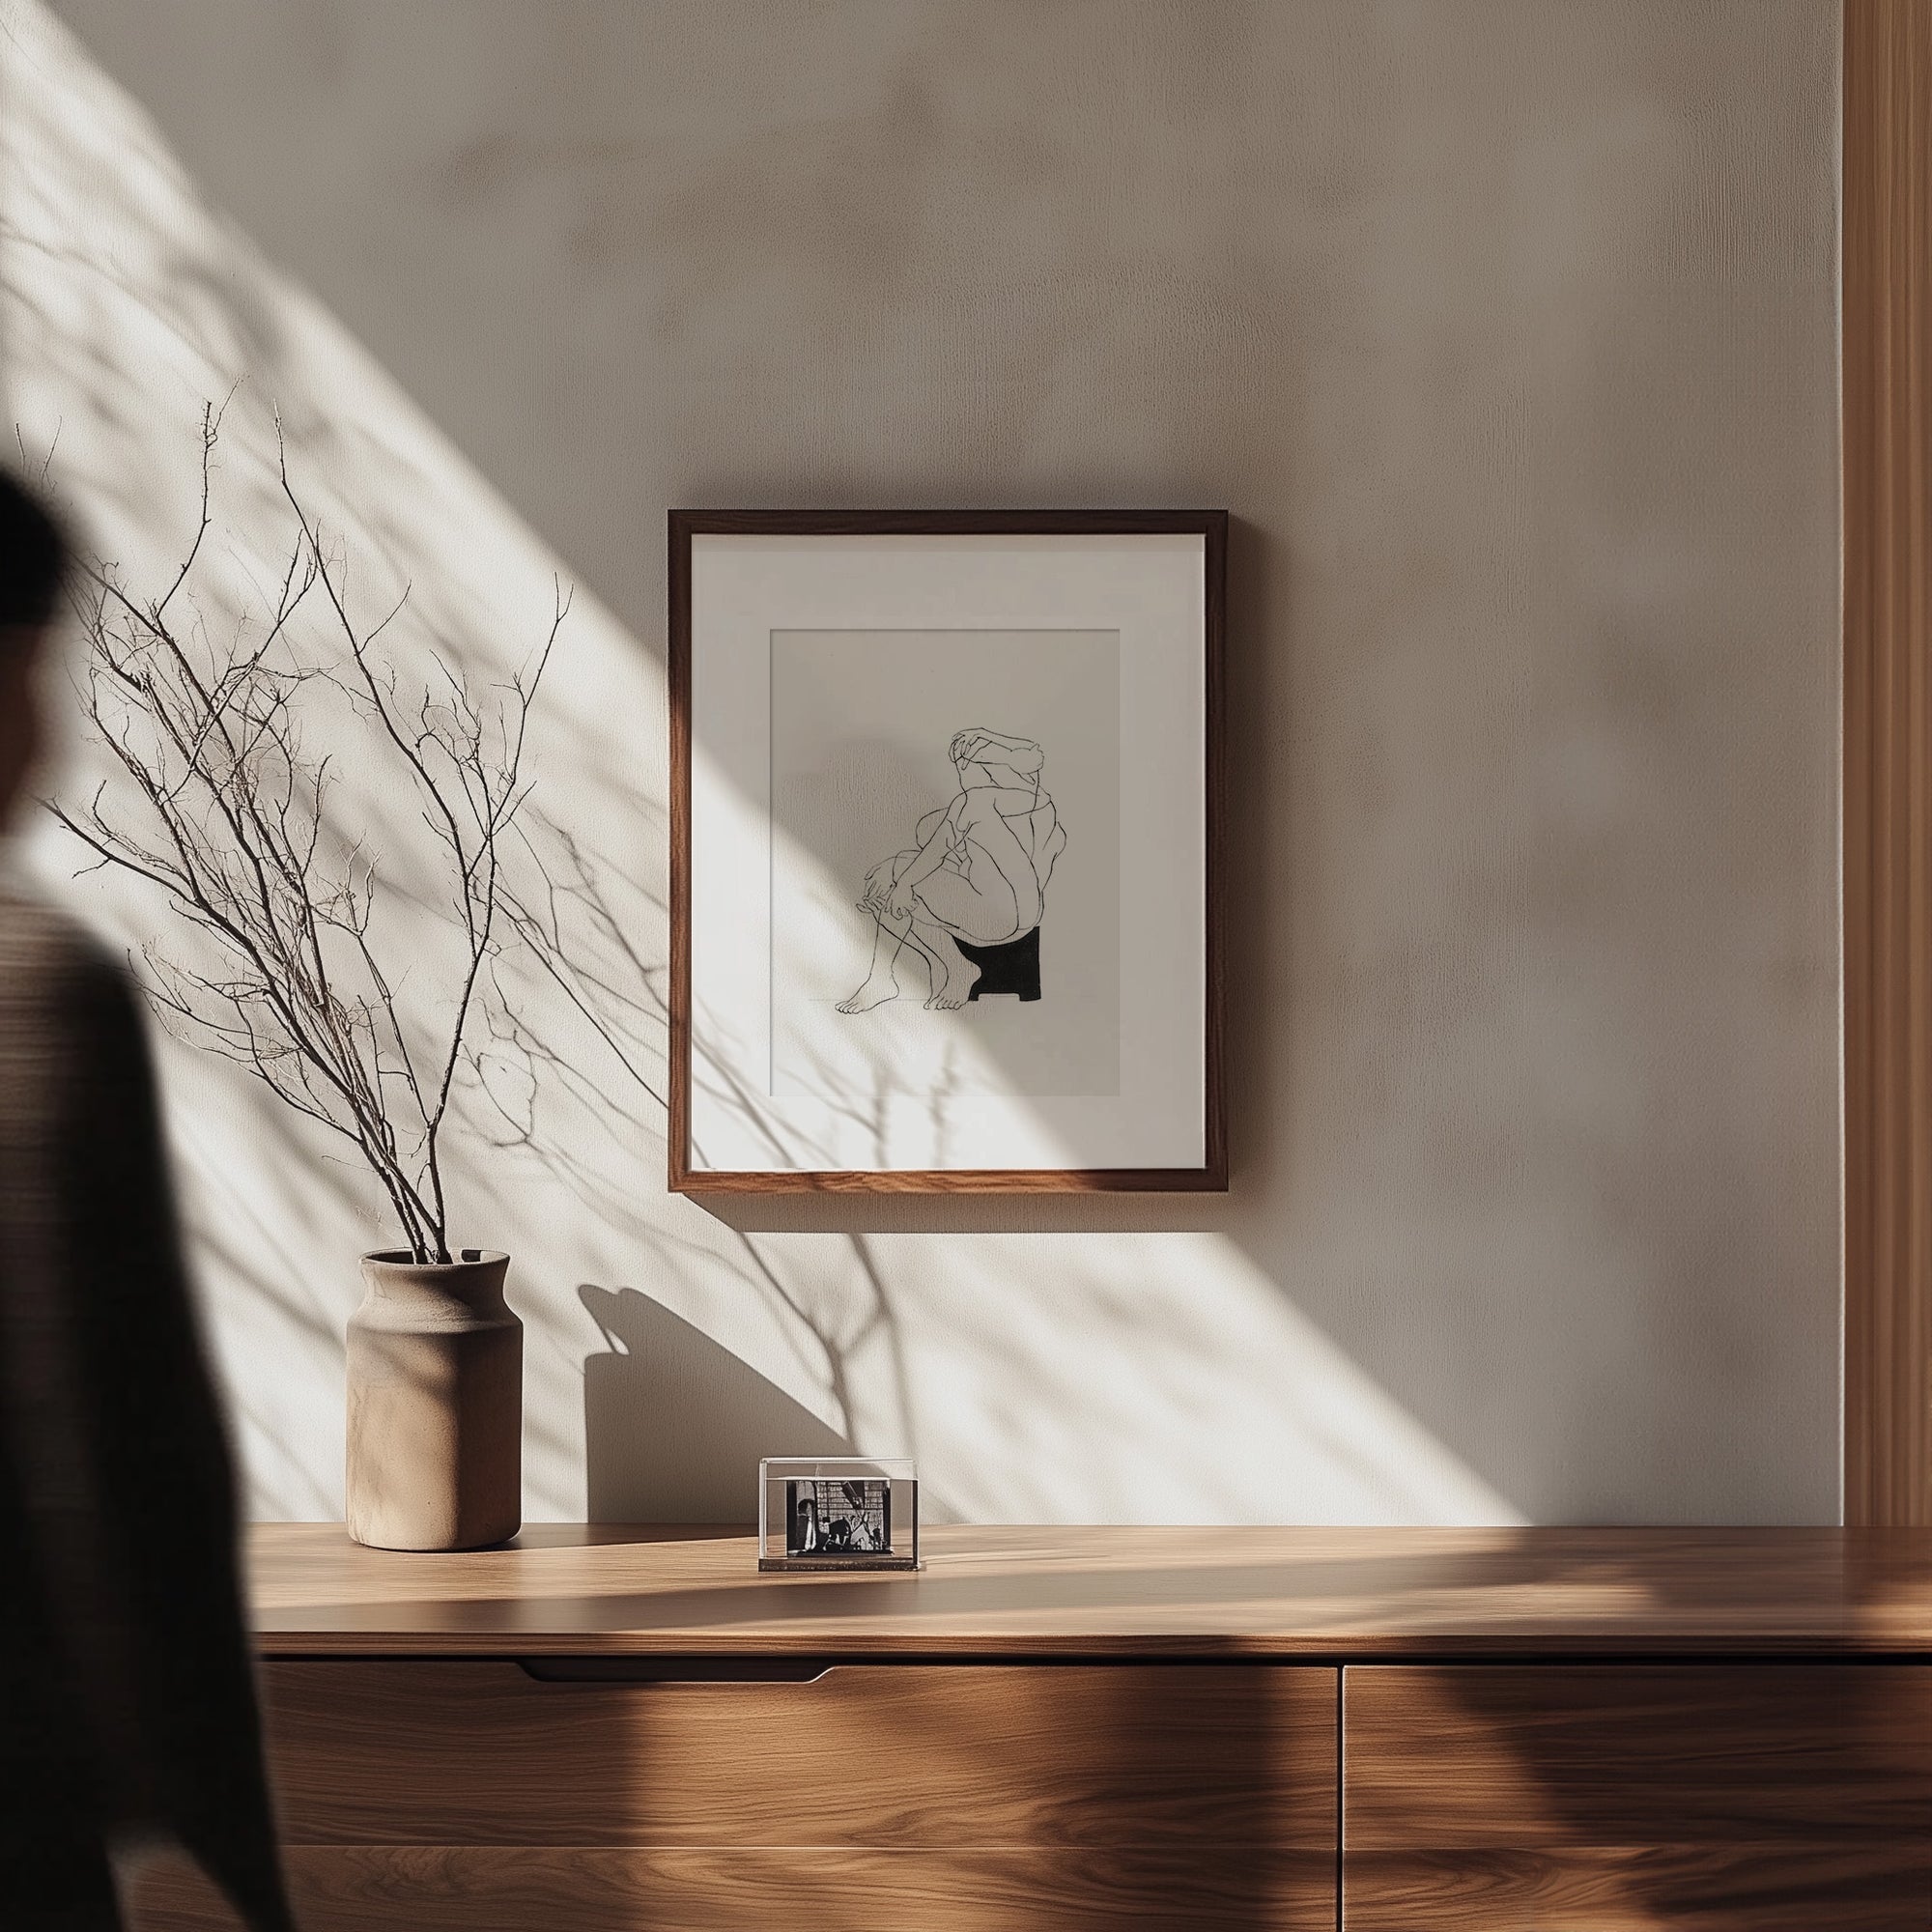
x=1467 y=1730
x=1625 y=1798
x=808 y=1888
x=1316 y=1594
x=400 y=1752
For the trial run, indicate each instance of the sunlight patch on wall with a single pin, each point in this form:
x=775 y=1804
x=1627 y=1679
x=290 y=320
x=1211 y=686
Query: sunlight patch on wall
x=1042 y=1377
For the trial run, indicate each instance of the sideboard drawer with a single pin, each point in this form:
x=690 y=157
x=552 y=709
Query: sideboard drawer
x=474 y=1797
x=881 y=1755
x=1634 y=1798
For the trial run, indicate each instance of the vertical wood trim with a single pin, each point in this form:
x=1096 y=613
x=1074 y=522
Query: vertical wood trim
x=1887 y=301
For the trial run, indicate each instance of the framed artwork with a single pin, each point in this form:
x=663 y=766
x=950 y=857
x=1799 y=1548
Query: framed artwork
x=944 y=850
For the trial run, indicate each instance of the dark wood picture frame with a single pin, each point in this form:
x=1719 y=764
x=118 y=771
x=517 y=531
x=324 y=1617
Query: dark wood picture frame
x=1212 y=527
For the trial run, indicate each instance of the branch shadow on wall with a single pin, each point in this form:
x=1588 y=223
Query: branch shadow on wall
x=674 y=1422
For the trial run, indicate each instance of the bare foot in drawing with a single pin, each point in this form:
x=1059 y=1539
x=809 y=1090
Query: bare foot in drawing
x=875 y=992
x=888 y=946
x=961 y=976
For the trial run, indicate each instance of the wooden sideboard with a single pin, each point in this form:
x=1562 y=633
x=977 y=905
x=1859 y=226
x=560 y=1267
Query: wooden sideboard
x=1292 y=1729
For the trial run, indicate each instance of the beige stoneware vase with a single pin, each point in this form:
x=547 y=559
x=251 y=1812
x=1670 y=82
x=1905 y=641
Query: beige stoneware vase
x=436 y=1405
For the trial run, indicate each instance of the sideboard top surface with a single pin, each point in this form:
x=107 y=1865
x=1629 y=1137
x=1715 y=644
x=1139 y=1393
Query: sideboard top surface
x=570 y=1589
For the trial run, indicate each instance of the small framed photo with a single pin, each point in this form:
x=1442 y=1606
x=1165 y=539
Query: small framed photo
x=945 y=851
x=837 y=1513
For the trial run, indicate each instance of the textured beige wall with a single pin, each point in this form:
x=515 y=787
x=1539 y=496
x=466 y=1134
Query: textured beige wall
x=1506 y=332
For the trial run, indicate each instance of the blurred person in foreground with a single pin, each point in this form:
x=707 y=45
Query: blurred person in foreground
x=127 y=1703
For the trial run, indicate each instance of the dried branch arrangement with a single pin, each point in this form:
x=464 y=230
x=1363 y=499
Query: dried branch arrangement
x=292 y=975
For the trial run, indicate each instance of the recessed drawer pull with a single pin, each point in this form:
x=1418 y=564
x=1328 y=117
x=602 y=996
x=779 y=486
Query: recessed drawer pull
x=675 y=1669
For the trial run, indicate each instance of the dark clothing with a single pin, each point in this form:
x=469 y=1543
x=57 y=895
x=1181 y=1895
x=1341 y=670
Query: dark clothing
x=126 y=1703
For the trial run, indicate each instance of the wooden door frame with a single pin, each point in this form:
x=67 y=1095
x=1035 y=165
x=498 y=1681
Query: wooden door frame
x=1886 y=289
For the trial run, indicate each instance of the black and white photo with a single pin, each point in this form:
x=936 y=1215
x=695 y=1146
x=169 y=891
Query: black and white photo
x=840 y=1517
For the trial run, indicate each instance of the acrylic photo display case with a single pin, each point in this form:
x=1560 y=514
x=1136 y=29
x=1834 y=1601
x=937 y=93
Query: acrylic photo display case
x=837 y=1513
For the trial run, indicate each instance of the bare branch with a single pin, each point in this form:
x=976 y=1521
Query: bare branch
x=232 y=821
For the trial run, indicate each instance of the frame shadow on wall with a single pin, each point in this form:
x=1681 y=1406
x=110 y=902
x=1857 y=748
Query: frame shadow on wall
x=1251 y=885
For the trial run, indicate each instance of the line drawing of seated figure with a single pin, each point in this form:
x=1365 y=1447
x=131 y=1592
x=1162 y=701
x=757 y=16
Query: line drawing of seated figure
x=976 y=876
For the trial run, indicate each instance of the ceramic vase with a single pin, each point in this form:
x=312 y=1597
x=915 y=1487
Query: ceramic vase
x=435 y=1402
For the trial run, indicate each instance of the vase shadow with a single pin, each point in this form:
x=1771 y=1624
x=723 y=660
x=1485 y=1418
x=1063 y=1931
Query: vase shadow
x=675 y=1425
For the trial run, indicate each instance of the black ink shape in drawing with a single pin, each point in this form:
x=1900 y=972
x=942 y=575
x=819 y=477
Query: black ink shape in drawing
x=967 y=900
